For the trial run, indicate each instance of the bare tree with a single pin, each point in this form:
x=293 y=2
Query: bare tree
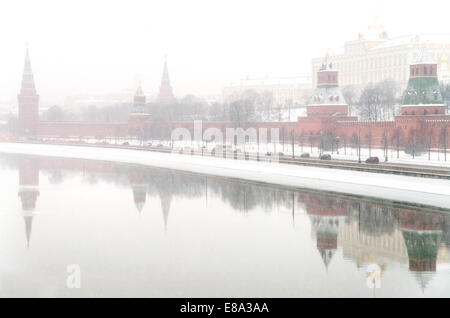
x=349 y=92
x=377 y=101
x=311 y=140
x=354 y=140
x=443 y=141
x=369 y=140
x=397 y=139
x=412 y=142
x=428 y=136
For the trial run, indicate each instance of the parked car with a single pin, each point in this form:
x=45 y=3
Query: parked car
x=304 y=155
x=126 y=143
x=325 y=156
x=372 y=160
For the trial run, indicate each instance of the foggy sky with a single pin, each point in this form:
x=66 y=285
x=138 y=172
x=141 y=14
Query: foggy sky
x=94 y=47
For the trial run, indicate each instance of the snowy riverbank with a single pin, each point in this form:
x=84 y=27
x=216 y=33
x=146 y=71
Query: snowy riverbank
x=435 y=192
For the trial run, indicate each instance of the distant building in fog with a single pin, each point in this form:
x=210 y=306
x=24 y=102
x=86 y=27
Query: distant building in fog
x=375 y=57
x=285 y=91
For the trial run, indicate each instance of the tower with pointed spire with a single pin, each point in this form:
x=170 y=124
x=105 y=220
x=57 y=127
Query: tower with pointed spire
x=28 y=101
x=327 y=99
x=165 y=95
x=423 y=95
x=28 y=192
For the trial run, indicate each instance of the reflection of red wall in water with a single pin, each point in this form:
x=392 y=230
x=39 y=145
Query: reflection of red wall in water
x=322 y=205
x=420 y=221
x=135 y=175
x=77 y=165
x=28 y=182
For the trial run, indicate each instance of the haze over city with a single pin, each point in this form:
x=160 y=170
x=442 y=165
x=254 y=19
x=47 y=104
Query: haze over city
x=195 y=149
x=95 y=47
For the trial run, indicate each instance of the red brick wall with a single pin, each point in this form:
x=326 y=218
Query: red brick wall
x=343 y=127
x=423 y=110
x=69 y=129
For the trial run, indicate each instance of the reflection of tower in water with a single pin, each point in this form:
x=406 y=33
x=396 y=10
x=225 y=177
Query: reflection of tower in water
x=422 y=233
x=163 y=184
x=138 y=184
x=28 y=191
x=166 y=199
x=327 y=215
x=165 y=190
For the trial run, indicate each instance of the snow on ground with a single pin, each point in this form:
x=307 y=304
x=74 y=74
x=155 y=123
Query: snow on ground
x=437 y=158
x=435 y=192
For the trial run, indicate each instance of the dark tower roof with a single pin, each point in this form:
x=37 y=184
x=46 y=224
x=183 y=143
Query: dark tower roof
x=28 y=86
x=165 y=80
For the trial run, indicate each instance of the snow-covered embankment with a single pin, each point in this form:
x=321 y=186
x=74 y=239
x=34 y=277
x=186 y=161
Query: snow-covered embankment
x=434 y=192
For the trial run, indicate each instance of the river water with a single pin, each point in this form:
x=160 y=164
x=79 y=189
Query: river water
x=80 y=228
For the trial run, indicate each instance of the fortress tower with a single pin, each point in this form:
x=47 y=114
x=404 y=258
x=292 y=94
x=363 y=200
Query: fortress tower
x=28 y=101
x=165 y=95
x=139 y=109
x=327 y=99
x=139 y=114
x=422 y=95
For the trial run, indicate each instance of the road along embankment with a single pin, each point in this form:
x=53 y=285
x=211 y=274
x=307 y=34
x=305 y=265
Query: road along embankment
x=395 y=188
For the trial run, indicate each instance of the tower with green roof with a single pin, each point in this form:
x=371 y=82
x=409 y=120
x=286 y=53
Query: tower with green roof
x=422 y=95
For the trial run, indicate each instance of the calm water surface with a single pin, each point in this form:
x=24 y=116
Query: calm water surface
x=148 y=232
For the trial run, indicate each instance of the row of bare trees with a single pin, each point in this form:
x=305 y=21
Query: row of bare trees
x=415 y=142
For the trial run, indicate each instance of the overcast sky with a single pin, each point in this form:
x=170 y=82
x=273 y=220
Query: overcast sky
x=98 y=46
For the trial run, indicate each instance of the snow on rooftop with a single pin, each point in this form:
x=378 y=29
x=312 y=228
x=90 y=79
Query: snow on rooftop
x=423 y=57
x=414 y=39
x=271 y=81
